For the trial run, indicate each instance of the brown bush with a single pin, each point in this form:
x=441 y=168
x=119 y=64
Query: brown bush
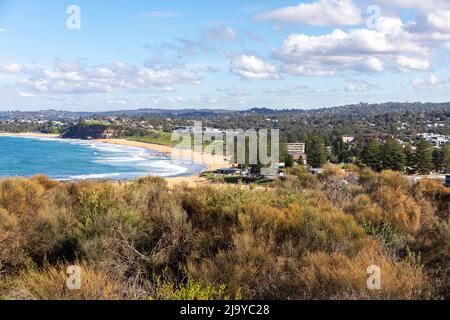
x=364 y=210
x=290 y=241
x=336 y=276
x=11 y=253
x=399 y=209
x=50 y=283
x=438 y=195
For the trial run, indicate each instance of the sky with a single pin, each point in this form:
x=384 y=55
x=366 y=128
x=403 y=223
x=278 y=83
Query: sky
x=98 y=55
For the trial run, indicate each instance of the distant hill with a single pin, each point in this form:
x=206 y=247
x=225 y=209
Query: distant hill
x=355 y=110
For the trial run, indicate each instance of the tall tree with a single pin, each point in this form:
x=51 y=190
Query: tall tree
x=317 y=153
x=341 y=151
x=438 y=159
x=446 y=159
x=371 y=155
x=392 y=156
x=424 y=157
x=410 y=157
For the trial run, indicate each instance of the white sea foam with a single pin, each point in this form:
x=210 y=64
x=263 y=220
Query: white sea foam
x=95 y=176
x=126 y=162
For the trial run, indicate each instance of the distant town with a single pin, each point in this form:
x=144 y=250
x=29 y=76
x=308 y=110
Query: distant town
x=413 y=138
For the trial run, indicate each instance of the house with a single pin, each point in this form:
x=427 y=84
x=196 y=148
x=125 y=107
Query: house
x=437 y=140
x=348 y=139
x=229 y=171
x=383 y=137
x=296 y=150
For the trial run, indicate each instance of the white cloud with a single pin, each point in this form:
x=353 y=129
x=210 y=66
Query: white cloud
x=3 y=30
x=10 y=68
x=432 y=82
x=321 y=13
x=418 y=4
x=251 y=67
x=72 y=77
x=235 y=92
x=221 y=33
x=440 y=20
x=407 y=63
x=374 y=64
x=354 y=88
x=432 y=27
x=26 y=94
x=393 y=46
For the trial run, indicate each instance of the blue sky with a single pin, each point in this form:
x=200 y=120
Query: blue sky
x=222 y=54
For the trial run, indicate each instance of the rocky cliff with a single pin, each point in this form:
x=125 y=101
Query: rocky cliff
x=91 y=131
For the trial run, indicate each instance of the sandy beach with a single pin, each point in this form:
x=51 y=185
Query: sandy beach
x=211 y=162
x=29 y=134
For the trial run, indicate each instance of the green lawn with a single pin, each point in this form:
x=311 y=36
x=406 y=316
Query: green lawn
x=160 y=138
x=156 y=137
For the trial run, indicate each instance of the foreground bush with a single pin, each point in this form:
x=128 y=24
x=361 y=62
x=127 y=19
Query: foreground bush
x=50 y=283
x=302 y=238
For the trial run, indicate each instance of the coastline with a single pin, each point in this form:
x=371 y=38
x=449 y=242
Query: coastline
x=29 y=134
x=211 y=162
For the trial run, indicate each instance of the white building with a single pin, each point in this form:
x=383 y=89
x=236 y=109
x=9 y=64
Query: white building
x=437 y=140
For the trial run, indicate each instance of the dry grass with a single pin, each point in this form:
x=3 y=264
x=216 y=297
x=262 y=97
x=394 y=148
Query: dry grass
x=303 y=238
x=50 y=283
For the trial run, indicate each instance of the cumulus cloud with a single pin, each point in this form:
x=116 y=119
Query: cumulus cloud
x=251 y=67
x=75 y=77
x=221 y=33
x=360 y=86
x=440 y=20
x=408 y=63
x=432 y=82
x=418 y=4
x=10 y=68
x=432 y=27
x=392 y=46
x=321 y=13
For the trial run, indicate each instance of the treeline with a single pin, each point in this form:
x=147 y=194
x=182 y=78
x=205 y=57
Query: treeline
x=306 y=237
x=422 y=158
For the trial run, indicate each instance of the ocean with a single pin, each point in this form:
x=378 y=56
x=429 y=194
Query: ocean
x=62 y=159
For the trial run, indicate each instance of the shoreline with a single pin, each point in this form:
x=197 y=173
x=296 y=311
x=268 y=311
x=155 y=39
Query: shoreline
x=211 y=162
x=29 y=134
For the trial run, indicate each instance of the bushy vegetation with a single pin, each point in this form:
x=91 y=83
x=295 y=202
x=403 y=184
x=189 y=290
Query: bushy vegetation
x=305 y=237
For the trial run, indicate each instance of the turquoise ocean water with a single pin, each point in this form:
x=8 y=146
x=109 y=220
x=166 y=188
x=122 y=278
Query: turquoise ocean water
x=63 y=159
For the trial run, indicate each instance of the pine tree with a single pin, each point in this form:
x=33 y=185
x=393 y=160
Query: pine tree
x=392 y=155
x=438 y=159
x=410 y=158
x=371 y=155
x=317 y=153
x=424 y=157
x=446 y=159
